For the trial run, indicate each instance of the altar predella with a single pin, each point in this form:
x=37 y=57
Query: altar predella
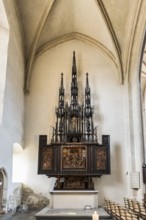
x=74 y=155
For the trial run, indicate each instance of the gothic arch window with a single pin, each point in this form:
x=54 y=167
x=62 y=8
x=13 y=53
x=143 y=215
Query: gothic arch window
x=3 y=189
x=143 y=92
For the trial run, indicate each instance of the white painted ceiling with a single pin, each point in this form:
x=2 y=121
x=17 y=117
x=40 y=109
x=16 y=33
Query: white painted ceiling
x=109 y=24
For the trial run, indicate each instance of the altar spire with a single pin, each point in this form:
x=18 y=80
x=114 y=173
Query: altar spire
x=74 y=121
x=74 y=68
x=74 y=85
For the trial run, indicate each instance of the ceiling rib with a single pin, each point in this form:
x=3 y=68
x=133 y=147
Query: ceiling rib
x=132 y=33
x=114 y=38
x=34 y=44
x=82 y=37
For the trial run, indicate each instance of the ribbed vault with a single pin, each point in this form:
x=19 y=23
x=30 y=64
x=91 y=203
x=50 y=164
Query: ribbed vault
x=108 y=25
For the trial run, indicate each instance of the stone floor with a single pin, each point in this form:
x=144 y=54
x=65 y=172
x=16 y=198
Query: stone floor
x=30 y=215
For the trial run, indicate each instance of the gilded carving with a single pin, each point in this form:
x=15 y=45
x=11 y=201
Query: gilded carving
x=101 y=158
x=46 y=158
x=74 y=157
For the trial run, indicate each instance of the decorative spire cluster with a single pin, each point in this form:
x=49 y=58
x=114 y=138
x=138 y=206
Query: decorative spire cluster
x=60 y=110
x=74 y=122
x=74 y=87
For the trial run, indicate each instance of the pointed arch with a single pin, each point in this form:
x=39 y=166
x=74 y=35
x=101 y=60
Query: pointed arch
x=134 y=41
x=3 y=189
x=81 y=37
x=114 y=39
x=34 y=44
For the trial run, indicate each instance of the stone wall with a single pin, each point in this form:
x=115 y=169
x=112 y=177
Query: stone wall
x=32 y=199
x=14 y=199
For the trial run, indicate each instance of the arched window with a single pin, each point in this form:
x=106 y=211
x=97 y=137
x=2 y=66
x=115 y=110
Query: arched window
x=3 y=190
x=143 y=94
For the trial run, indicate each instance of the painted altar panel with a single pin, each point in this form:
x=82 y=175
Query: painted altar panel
x=47 y=159
x=74 y=157
x=101 y=158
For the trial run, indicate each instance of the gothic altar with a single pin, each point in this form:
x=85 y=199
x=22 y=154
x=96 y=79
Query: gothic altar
x=74 y=155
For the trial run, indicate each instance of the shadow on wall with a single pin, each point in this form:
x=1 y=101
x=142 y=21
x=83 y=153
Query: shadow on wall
x=117 y=163
x=107 y=185
x=32 y=199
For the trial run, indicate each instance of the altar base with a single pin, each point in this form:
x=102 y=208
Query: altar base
x=74 y=199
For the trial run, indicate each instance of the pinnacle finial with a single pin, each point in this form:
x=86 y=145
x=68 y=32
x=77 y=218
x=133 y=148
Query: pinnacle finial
x=87 y=81
x=62 y=80
x=74 y=54
x=74 y=69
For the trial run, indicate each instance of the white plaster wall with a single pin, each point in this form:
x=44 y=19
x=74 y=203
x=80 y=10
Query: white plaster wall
x=11 y=130
x=108 y=99
x=4 y=39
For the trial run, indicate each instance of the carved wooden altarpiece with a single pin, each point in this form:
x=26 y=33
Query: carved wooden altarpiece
x=74 y=155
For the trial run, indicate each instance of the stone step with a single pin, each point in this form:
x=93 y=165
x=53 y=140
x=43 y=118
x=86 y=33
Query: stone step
x=70 y=214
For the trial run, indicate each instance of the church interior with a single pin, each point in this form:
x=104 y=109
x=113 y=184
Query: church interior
x=72 y=102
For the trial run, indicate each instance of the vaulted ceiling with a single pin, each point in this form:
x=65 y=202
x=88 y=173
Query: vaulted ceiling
x=109 y=25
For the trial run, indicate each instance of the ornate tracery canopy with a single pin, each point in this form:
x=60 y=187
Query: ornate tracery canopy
x=74 y=120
